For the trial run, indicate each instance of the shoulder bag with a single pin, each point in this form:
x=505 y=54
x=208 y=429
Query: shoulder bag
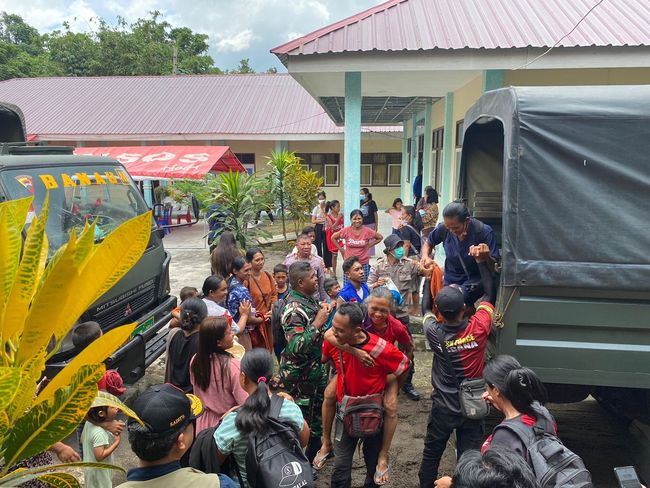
x=470 y=390
x=362 y=416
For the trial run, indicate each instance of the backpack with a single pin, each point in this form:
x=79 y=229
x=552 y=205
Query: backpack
x=275 y=458
x=554 y=464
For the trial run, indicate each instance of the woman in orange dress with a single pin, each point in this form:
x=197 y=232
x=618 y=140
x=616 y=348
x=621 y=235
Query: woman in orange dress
x=264 y=292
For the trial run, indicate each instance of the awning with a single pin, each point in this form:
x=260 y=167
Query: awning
x=173 y=162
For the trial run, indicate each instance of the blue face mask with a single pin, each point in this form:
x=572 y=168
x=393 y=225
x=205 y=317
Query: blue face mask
x=398 y=253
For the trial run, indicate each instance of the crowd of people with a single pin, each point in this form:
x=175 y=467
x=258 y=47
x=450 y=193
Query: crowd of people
x=255 y=348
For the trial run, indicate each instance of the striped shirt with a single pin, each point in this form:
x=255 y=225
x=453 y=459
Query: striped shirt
x=230 y=441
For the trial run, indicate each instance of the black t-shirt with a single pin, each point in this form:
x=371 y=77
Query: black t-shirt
x=368 y=209
x=408 y=233
x=181 y=350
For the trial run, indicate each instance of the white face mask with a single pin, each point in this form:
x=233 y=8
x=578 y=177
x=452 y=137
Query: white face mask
x=321 y=200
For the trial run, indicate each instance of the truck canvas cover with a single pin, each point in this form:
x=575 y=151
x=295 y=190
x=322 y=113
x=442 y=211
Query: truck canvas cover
x=576 y=183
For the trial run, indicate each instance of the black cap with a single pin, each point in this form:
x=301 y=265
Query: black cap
x=165 y=409
x=450 y=299
x=392 y=241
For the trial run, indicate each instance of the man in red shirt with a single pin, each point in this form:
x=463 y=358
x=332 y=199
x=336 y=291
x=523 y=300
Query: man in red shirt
x=361 y=380
x=465 y=341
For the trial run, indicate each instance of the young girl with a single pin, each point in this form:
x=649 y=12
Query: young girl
x=395 y=213
x=333 y=223
x=98 y=446
x=184 y=344
x=214 y=372
x=232 y=434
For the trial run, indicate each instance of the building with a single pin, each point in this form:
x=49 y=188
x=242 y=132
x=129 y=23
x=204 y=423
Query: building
x=425 y=62
x=252 y=114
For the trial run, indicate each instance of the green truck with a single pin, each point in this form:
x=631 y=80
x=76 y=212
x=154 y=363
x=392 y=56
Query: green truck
x=563 y=176
x=95 y=189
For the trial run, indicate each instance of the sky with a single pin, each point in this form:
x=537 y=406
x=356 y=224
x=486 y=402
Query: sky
x=237 y=28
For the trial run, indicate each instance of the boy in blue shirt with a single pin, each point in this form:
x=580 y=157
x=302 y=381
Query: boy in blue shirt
x=355 y=290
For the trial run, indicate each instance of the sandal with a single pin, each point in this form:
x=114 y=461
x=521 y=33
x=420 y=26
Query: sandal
x=377 y=478
x=321 y=459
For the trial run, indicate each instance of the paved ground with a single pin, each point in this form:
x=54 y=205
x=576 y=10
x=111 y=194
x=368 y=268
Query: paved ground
x=585 y=427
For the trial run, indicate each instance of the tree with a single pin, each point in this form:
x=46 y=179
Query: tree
x=302 y=188
x=235 y=198
x=244 y=68
x=281 y=164
x=39 y=304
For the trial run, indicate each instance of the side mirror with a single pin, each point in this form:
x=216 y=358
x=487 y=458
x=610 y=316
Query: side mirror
x=158 y=211
x=161 y=233
x=195 y=208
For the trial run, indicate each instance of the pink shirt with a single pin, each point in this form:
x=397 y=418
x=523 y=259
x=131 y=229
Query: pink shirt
x=218 y=398
x=356 y=244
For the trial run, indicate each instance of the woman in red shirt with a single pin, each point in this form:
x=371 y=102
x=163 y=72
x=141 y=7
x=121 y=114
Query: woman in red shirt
x=358 y=241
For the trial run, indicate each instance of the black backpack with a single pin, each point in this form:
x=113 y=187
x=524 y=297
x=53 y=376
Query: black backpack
x=554 y=464
x=276 y=323
x=275 y=458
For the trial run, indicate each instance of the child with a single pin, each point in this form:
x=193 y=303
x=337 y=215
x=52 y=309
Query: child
x=332 y=288
x=395 y=213
x=98 y=446
x=281 y=277
x=83 y=335
x=186 y=292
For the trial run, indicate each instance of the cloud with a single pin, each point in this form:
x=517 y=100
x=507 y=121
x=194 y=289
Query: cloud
x=237 y=43
x=237 y=28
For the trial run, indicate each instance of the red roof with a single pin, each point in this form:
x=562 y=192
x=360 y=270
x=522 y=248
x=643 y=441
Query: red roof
x=176 y=162
x=261 y=104
x=413 y=25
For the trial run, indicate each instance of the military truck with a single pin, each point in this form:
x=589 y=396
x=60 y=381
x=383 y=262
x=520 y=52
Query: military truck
x=563 y=176
x=93 y=189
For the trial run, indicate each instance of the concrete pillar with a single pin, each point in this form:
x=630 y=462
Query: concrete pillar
x=148 y=192
x=448 y=153
x=492 y=79
x=428 y=139
x=405 y=185
x=414 y=158
x=352 y=143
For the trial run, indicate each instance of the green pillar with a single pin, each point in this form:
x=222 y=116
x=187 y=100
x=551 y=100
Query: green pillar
x=492 y=79
x=448 y=152
x=405 y=184
x=426 y=159
x=414 y=155
x=352 y=143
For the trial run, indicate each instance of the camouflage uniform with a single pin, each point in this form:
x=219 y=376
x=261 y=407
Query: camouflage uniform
x=301 y=371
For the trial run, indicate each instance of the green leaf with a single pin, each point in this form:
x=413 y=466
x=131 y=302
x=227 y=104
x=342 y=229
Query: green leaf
x=19 y=476
x=9 y=381
x=30 y=372
x=52 y=421
x=60 y=480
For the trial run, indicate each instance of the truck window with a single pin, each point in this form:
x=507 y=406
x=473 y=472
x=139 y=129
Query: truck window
x=101 y=194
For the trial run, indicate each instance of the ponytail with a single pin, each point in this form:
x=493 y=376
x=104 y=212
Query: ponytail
x=252 y=416
x=519 y=385
x=523 y=389
x=193 y=311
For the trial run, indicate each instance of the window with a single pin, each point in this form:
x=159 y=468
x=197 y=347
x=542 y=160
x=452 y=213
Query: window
x=381 y=169
x=366 y=174
x=459 y=133
x=437 y=138
x=248 y=161
x=325 y=164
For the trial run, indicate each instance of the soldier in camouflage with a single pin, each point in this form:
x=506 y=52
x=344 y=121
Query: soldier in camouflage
x=301 y=371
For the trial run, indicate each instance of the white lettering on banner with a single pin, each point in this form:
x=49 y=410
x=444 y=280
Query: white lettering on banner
x=186 y=168
x=126 y=158
x=163 y=156
x=195 y=158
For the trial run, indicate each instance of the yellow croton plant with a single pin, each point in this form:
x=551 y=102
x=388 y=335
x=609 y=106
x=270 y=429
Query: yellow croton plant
x=39 y=304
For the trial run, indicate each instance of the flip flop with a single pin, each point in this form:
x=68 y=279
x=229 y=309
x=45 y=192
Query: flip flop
x=380 y=474
x=321 y=459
